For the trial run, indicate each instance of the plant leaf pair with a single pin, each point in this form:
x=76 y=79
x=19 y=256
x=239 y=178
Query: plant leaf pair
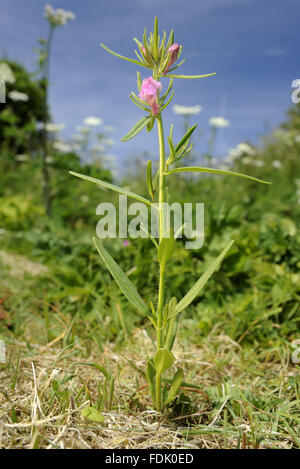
x=163 y=360
x=178 y=152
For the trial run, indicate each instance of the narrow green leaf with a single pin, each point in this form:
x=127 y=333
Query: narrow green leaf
x=195 y=290
x=138 y=103
x=151 y=374
x=172 y=151
x=168 y=102
x=126 y=286
x=164 y=64
x=111 y=392
x=138 y=56
x=155 y=180
x=138 y=43
x=198 y=169
x=189 y=77
x=155 y=39
x=123 y=57
x=184 y=153
x=136 y=129
x=139 y=81
x=177 y=66
x=163 y=360
x=168 y=90
x=162 y=44
x=150 y=124
x=147 y=47
x=166 y=249
x=170 y=40
x=94 y=365
x=175 y=386
x=121 y=190
x=172 y=331
x=185 y=138
x=149 y=179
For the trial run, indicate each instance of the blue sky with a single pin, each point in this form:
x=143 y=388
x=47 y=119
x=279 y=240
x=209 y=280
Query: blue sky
x=251 y=44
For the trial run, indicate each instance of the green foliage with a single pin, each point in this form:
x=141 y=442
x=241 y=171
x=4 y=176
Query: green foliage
x=18 y=118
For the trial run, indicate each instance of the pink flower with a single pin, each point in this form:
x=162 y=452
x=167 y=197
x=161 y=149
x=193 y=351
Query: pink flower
x=148 y=93
x=126 y=243
x=174 y=49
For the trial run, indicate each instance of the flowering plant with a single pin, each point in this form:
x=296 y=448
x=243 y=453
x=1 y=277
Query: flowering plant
x=160 y=56
x=56 y=18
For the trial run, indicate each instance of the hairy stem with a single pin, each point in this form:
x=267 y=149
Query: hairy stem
x=160 y=307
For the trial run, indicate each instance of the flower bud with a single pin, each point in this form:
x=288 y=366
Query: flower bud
x=173 y=49
x=145 y=54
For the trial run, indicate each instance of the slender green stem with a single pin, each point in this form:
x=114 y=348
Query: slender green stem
x=160 y=307
x=45 y=170
x=162 y=178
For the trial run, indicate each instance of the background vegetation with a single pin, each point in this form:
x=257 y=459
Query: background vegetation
x=60 y=309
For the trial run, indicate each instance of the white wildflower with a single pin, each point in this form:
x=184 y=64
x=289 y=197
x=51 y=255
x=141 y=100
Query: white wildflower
x=277 y=164
x=258 y=163
x=187 y=110
x=219 y=122
x=62 y=147
x=283 y=136
x=18 y=96
x=55 y=128
x=247 y=160
x=6 y=73
x=240 y=150
x=58 y=17
x=246 y=148
x=83 y=129
x=93 y=121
